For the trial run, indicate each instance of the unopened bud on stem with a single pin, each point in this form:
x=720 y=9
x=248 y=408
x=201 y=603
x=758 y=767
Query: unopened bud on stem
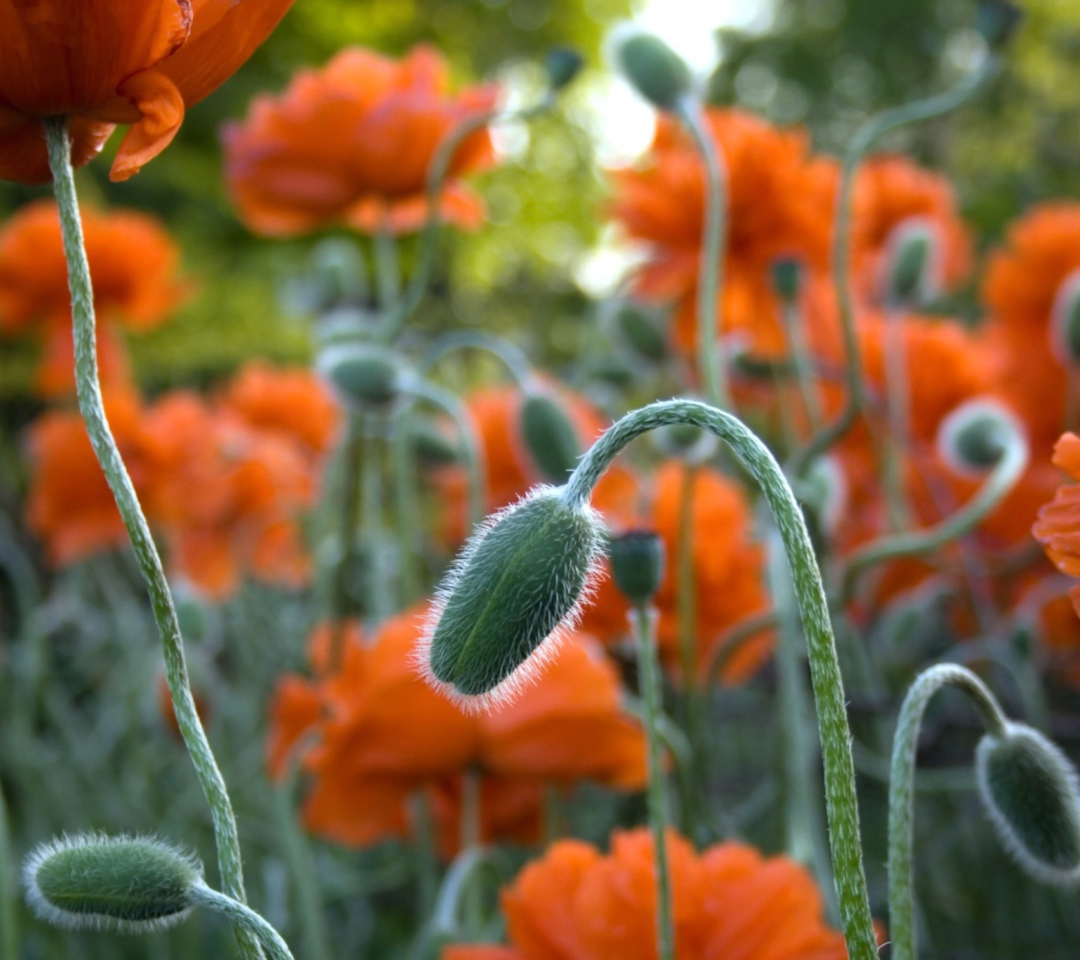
x=365 y=375
x=656 y=71
x=550 y=437
x=637 y=564
x=976 y=435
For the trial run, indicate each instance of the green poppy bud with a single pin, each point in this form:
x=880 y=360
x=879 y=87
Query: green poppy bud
x=685 y=442
x=637 y=564
x=997 y=21
x=550 y=438
x=430 y=445
x=656 y=71
x=974 y=437
x=1065 y=321
x=518 y=583
x=562 y=64
x=639 y=328
x=1031 y=792
x=128 y=884
x=912 y=264
x=363 y=374
x=787 y=276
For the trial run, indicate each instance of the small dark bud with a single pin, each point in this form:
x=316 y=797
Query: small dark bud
x=562 y=64
x=911 y=277
x=997 y=21
x=974 y=437
x=787 y=276
x=431 y=447
x=1030 y=790
x=550 y=437
x=637 y=564
x=656 y=71
x=363 y=374
x=639 y=328
x=682 y=441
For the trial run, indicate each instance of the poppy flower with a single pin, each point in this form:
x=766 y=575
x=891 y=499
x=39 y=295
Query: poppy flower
x=779 y=206
x=893 y=195
x=727 y=570
x=101 y=63
x=352 y=143
x=728 y=901
x=1028 y=290
x=1058 y=525
x=381 y=735
x=134 y=264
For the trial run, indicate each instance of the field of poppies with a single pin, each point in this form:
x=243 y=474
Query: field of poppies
x=479 y=487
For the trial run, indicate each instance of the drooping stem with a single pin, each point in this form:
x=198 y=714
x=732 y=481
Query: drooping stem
x=841 y=802
x=1005 y=475
x=644 y=620
x=901 y=789
x=509 y=355
x=869 y=134
x=92 y=408
x=243 y=918
x=711 y=363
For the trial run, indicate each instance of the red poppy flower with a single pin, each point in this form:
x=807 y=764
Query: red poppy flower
x=729 y=901
x=1058 y=526
x=106 y=62
x=133 y=261
x=352 y=143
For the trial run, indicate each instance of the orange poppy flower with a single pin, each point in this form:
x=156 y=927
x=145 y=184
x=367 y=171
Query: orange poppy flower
x=381 y=734
x=729 y=901
x=133 y=261
x=509 y=470
x=352 y=143
x=1026 y=288
x=1058 y=526
x=779 y=206
x=891 y=195
x=727 y=570
x=69 y=504
x=107 y=62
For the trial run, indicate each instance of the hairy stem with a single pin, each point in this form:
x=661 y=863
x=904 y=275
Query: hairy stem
x=244 y=918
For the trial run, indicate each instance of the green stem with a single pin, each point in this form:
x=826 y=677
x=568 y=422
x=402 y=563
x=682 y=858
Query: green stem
x=92 y=408
x=510 y=356
x=736 y=635
x=868 y=134
x=711 y=363
x=427 y=863
x=644 y=619
x=841 y=801
x=9 y=930
x=407 y=507
x=388 y=271
x=901 y=789
x=801 y=361
x=244 y=918
x=470 y=446
x=1005 y=475
x=380 y=594
x=351 y=466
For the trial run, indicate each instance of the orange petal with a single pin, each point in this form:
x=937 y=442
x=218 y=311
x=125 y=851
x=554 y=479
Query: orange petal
x=161 y=109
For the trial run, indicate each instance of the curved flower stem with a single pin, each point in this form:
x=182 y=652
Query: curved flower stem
x=438 y=170
x=711 y=362
x=9 y=930
x=470 y=446
x=92 y=408
x=644 y=620
x=512 y=358
x=868 y=134
x=243 y=918
x=735 y=636
x=998 y=484
x=901 y=789
x=841 y=801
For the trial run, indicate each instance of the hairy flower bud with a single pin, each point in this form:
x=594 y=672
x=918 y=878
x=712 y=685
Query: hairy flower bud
x=973 y=438
x=1031 y=792
x=912 y=264
x=363 y=374
x=129 y=884
x=518 y=582
x=637 y=564
x=656 y=71
x=550 y=438
x=1065 y=321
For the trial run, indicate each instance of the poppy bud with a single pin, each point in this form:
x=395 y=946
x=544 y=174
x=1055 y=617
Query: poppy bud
x=550 y=437
x=637 y=563
x=518 y=582
x=974 y=437
x=612 y=369
x=1065 y=321
x=997 y=21
x=656 y=71
x=684 y=442
x=430 y=446
x=638 y=328
x=562 y=64
x=363 y=374
x=787 y=278
x=911 y=264
x=128 y=884
x=1032 y=795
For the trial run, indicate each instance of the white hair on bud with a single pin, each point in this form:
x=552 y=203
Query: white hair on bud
x=529 y=671
x=70 y=919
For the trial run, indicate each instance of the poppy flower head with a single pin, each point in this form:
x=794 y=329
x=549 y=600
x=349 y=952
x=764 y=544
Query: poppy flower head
x=1058 y=525
x=352 y=143
x=110 y=62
